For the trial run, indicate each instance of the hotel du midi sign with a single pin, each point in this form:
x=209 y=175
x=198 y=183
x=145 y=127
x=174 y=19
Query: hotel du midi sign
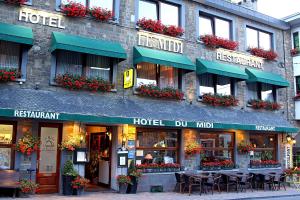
x=41 y=17
x=160 y=42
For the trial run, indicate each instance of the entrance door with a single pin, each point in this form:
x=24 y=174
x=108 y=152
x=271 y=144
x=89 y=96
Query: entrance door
x=48 y=158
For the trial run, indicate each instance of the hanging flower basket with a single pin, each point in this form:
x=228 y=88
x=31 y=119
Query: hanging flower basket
x=212 y=41
x=71 y=143
x=73 y=9
x=74 y=82
x=27 y=144
x=101 y=14
x=154 y=91
x=244 y=148
x=17 y=2
x=267 y=105
x=219 y=100
x=8 y=74
x=157 y=27
x=193 y=148
x=269 y=55
x=295 y=51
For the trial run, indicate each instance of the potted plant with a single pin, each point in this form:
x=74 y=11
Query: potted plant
x=134 y=175
x=27 y=144
x=193 y=148
x=28 y=187
x=73 y=9
x=123 y=181
x=78 y=185
x=68 y=175
x=71 y=143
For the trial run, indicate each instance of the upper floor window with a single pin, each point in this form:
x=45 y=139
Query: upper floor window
x=7 y=140
x=159 y=75
x=297 y=84
x=265 y=92
x=296 y=40
x=106 y=4
x=211 y=25
x=10 y=54
x=258 y=39
x=167 y=13
x=90 y=66
x=214 y=84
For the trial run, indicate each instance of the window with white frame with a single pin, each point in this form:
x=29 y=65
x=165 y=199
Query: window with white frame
x=10 y=55
x=296 y=40
x=215 y=84
x=258 y=39
x=211 y=25
x=106 y=4
x=167 y=13
x=90 y=66
x=261 y=91
x=159 y=75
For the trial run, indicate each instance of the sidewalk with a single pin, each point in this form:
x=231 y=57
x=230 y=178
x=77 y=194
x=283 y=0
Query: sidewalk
x=174 y=196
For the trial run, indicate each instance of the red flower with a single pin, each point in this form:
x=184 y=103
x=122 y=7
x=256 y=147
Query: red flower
x=269 y=55
x=7 y=74
x=154 y=91
x=16 y=1
x=219 y=100
x=74 y=9
x=294 y=51
x=260 y=104
x=215 y=42
x=173 y=31
x=101 y=14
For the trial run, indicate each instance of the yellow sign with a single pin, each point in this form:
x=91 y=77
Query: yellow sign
x=128 y=78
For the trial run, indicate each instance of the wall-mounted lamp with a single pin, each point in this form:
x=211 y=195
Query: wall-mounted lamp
x=288 y=138
x=294 y=141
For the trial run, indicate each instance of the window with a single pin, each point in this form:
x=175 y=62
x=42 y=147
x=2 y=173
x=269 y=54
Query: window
x=10 y=54
x=162 y=145
x=296 y=40
x=106 y=4
x=258 y=39
x=167 y=13
x=6 y=145
x=217 y=146
x=261 y=91
x=90 y=66
x=265 y=146
x=162 y=76
x=210 y=25
x=214 y=84
x=297 y=84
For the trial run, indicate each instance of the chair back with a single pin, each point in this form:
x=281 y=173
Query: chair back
x=186 y=179
x=178 y=177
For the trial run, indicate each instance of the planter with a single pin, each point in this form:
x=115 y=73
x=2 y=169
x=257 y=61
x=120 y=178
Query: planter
x=132 y=188
x=66 y=184
x=78 y=191
x=123 y=188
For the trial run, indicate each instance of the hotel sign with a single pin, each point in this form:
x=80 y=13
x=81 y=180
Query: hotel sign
x=161 y=42
x=36 y=114
x=41 y=17
x=156 y=122
x=128 y=79
x=239 y=58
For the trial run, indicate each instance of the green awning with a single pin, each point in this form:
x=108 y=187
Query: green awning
x=16 y=33
x=266 y=77
x=177 y=60
x=205 y=66
x=87 y=45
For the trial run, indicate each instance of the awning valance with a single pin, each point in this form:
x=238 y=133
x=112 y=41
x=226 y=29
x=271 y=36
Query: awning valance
x=87 y=45
x=212 y=67
x=266 y=77
x=177 y=60
x=16 y=33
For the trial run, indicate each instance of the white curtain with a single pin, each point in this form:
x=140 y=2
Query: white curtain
x=9 y=55
x=267 y=92
x=252 y=91
x=146 y=73
x=168 y=77
x=223 y=85
x=69 y=62
x=206 y=84
x=98 y=67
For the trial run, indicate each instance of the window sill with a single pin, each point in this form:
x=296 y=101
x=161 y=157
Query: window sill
x=257 y=169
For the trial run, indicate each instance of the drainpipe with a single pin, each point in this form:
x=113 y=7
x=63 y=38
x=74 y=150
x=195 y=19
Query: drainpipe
x=284 y=66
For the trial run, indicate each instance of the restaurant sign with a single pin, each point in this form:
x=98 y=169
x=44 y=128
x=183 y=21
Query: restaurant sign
x=239 y=58
x=36 y=114
x=161 y=42
x=41 y=17
x=288 y=156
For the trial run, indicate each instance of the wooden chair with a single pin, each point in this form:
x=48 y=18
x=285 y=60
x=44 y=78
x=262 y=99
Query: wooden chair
x=190 y=182
x=213 y=182
x=179 y=182
x=279 y=180
x=245 y=182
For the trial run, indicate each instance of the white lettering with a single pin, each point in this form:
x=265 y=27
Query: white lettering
x=34 y=18
x=23 y=16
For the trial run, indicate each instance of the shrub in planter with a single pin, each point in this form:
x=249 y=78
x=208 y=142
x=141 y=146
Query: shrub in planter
x=267 y=105
x=73 y=9
x=164 y=93
x=101 y=14
x=7 y=74
x=219 y=100
x=267 y=54
x=28 y=187
x=17 y=2
x=123 y=181
x=134 y=175
x=78 y=185
x=212 y=41
x=68 y=175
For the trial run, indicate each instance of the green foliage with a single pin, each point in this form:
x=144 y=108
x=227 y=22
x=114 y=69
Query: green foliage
x=69 y=169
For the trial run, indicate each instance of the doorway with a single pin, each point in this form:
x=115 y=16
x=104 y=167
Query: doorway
x=98 y=170
x=48 y=158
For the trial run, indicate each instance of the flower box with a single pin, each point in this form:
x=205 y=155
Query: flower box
x=101 y=14
x=17 y=2
x=7 y=74
x=154 y=168
x=73 y=9
x=294 y=51
x=217 y=165
x=164 y=93
x=267 y=54
x=212 y=41
x=255 y=164
x=260 y=104
x=219 y=100
x=73 y=82
x=157 y=27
